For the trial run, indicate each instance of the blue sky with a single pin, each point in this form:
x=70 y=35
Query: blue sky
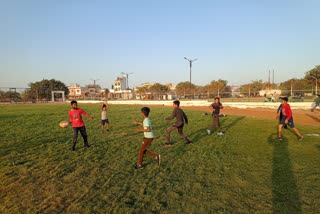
x=76 y=41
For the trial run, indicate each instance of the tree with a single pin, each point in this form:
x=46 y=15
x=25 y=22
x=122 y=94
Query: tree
x=158 y=88
x=255 y=87
x=220 y=86
x=43 y=88
x=313 y=74
x=183 y=88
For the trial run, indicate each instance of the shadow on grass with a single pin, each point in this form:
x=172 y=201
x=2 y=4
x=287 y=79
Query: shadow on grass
x=234 y=122
x=285 y=195
x=314 y=118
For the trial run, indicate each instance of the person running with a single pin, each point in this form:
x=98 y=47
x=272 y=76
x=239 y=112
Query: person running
x=104 y=118
x=180 y=116
x=215 y=107
x=78 y=124
x=316 y=103
x=280 y=116
x=148 y=138
x=287 y=119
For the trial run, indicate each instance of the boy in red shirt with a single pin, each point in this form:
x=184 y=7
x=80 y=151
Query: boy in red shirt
x=78 y=124
x=287 y=118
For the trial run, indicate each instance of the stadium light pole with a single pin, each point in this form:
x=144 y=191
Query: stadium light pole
x=190 y=63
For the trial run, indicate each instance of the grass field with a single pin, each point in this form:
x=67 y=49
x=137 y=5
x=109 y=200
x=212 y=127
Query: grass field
x=245 y=171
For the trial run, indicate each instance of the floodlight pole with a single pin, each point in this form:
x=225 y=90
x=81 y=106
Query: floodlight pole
x=127 y=74
x=190 y=63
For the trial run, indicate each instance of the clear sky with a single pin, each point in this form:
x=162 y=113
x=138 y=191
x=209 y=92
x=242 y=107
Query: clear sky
x=76 y=41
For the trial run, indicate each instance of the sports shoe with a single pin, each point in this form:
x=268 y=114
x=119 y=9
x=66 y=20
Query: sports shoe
x=220 y=133
x=138 y=166
x=300 y=137
x=279 y=138
x=86 y=146
x=158 y=159
x=223 y=115
x=72 y=149
x=167 y=144
x=209 y=132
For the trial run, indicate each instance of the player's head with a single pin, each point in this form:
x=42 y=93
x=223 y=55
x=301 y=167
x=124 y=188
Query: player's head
x=104 y=106
x=176 y=103
x=284 y=100
x=217 y=100
x=145 y=111
x=74 y=104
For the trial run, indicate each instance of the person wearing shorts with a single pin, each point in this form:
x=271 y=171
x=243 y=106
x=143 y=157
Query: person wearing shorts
x=287 y=119
x=104 y=118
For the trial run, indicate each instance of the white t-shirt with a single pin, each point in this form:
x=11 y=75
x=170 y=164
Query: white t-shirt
x=146 y=124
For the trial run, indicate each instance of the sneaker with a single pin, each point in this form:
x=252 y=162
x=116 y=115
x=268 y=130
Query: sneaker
x=138 y=166
x=158 y=158
x=209 y=132
x=72 y=149
x=167 y=144
x=279 y=138
x=86 y=146
x=220 y=133
x=223 y=115
x=300 y=137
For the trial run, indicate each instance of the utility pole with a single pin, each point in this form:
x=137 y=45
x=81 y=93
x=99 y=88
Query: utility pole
x=127 y=74
x=190 y=63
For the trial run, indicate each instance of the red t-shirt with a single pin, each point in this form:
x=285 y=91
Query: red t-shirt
x=286 y=111
x=76 y=118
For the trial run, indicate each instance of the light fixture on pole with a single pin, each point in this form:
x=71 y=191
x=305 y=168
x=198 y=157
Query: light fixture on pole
x=190 y=63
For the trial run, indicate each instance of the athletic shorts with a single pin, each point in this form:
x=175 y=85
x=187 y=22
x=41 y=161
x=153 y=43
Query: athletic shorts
x=104 y=121
x=290 y=122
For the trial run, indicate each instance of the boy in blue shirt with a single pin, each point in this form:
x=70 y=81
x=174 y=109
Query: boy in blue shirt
x=148 y=137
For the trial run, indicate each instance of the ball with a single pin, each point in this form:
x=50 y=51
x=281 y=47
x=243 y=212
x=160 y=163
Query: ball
x=64 y=124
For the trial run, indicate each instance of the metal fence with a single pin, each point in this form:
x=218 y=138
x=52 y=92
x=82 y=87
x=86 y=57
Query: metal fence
x=296 y=90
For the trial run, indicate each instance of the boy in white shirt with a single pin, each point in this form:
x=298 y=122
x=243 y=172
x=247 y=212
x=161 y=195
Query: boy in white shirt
x=148 y=137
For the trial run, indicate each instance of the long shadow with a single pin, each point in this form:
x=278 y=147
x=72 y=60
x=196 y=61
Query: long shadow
x=314 y=118
x=285 y=194
x=234 y=122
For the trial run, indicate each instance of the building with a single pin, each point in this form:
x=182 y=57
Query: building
x=120 y=84
x=74 y=91
x=120 y=90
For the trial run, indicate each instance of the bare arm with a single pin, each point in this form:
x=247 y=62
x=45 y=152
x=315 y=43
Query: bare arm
x=143 y=130
x=185 y=118
x=137 y=123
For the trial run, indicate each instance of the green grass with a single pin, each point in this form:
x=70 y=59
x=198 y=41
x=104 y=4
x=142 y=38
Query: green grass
x=245 y=171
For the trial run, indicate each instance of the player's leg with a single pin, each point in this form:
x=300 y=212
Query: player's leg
x=169 y=130
x=279 y=132
x=102 y=125
x=84 y=135
x=107 y=125
x=211 y=126
x=75 y=137
x=180 y=131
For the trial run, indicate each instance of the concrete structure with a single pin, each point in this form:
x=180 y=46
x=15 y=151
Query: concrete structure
x=120 y=84
x=270 y=92
x=59 y=92
x=74 y=91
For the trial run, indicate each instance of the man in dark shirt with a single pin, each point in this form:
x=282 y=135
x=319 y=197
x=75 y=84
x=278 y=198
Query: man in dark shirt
x=180 y=118
x=215 y=107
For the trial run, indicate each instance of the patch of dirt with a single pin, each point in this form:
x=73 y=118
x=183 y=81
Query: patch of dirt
x=299 y=116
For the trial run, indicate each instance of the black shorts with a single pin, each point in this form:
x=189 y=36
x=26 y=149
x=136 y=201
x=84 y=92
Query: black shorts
x=104 y=121
x=290 y=122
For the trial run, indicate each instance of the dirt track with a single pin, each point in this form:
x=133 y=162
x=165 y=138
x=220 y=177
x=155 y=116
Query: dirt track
x=300 y=116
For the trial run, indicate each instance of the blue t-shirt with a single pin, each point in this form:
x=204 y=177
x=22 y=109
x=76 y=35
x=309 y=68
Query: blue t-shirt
x=146 y=124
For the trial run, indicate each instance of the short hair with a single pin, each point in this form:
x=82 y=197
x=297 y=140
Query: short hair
x=217 y=98
x=285 y=99
x=104 y=105
x=145 y=111
x=74 y=101
x=176 y=102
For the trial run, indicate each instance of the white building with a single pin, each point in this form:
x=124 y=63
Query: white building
x=74 y=90
x=120 y=84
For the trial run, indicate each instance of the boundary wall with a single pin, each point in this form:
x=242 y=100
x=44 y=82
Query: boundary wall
x=241 y=105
